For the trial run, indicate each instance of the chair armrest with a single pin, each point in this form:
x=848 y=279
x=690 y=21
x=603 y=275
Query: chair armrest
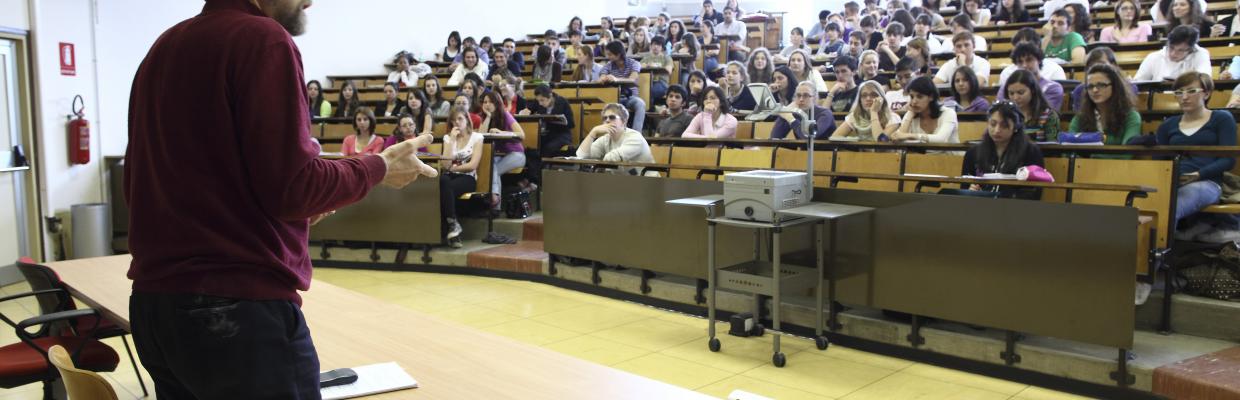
x=57 y=316
x=835 y=180
x=705 y=171
x=28 y=294
x=917 y=189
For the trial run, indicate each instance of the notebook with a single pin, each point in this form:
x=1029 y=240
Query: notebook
x=372 y=379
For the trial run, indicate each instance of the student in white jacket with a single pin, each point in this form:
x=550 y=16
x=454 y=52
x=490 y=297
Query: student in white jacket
x=407 y=73
x=613 y=142
x=469 y=63
x=1181 y=55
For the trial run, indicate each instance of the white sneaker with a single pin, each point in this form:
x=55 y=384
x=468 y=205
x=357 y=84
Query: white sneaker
x=1192 y=231
x=1219 y=236
x=454 y=229
x=1143 y=292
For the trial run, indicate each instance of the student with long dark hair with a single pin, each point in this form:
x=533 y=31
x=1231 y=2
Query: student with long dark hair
x=1011 y=12
x=926 y=120
x=1128 y=27
x=966 y=93
x=760 y=66
x=1004 y=149
x=784 y=85
x=509 y=153
x=452 y=49
x=715 y=120
x=390 y=105
x=1189 y=13
x=556 y=134
x=348 y=101
x=434 y=96
x=417 y=106
x=407 y=129
x=545 y=67
x=1042 y=119
x=318 y=106
x=675 y=33
x=1108 y=107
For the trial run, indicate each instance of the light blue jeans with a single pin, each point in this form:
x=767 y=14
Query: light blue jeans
x=637 y=108
x=1195 y=196
x=503 y=164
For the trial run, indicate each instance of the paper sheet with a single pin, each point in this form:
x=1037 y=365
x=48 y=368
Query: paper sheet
x=372 y=379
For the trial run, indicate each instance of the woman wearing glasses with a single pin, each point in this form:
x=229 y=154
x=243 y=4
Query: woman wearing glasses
x=1108 y=107
x=1181 y=55
x=871 y=117
x=791 y=122
x=613 y=142
x=1200 y=176
x=1127 y=28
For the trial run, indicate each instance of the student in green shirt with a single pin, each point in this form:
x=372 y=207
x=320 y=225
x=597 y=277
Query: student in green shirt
x=319 y=108
x=1108 y=107
x=1062 y=42
x=660 y=65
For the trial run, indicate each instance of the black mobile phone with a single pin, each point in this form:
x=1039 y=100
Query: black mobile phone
x=337 y=377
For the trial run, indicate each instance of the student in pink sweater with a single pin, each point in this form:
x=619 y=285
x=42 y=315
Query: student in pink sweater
x=364 y=141
x=715 y=120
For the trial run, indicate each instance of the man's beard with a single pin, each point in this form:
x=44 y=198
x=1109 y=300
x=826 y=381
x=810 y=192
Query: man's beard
x=293 y=19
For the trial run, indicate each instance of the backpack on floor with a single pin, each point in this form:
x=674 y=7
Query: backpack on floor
x=1215 y=274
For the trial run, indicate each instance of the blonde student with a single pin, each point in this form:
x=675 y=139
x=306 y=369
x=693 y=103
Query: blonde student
x=871 y=117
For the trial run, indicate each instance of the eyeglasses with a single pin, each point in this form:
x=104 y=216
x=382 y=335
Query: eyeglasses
x=1186 y=92
x=611 y=117
x=1098 y=86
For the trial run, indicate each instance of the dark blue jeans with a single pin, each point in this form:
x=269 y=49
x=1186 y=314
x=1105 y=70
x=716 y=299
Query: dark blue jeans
x=206 y=347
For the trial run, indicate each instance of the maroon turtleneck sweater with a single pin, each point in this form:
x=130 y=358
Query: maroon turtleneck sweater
x=221 y=174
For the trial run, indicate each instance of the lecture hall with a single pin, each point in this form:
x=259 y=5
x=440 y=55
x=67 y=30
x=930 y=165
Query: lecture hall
x=667 y=199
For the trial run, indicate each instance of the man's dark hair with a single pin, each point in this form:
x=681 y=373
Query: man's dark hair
x=549 y=34
x=823 y=14
x=867 y=21
x=1026 y=34
x=1183 y=34
x=658 y=41
x=906 y=64
x=845 y=60
x=574 y=32
x=506 y=40
x=798 y=31
x=964 y=21
x=1063 y=13
x=543 y=90
x=615 y=47
x=895 y=29
x=1025 y=50
x=924 y=19
x=680 y=90
x=834 y=27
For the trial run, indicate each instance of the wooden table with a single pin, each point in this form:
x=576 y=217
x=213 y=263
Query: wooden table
x=450 y=361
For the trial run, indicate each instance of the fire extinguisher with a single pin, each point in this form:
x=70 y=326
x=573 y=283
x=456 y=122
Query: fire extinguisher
x=79 y=133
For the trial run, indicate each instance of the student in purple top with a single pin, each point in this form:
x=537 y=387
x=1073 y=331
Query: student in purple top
x=509 y=153
x=966 y=95
x=1028 y=56
x=624 y=71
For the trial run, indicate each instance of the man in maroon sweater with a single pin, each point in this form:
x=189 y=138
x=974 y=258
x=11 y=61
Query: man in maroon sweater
x=223 y=180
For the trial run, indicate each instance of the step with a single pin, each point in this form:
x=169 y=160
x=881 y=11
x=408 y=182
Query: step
x=1192 y=315
x=1214 y=376
x=524 y=256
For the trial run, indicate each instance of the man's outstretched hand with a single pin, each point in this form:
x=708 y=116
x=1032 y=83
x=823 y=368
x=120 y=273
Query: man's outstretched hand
x=402 y=164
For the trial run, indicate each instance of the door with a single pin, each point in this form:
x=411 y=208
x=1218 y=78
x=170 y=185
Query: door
x=14 y=175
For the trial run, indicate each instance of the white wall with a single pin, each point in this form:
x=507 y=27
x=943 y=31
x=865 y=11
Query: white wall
x=52 y=22
x=15 y=15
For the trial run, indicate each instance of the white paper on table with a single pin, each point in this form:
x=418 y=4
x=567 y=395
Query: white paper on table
x=372 y=379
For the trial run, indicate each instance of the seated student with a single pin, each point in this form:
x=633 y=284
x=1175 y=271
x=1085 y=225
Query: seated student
x=892 y=48
x=1051 y=6
x=502 y=69
x=715 y=120
x=586 y=70
x=962 y=24
x=675 y=33
x=434 y=95
x=464 y=102
x=963 y=44
x=733 y=27
x=1182 y=54
x=1234 y=102
x=852 y=16
x=933 y=8
x=471 y=88
x=483 y=57
x=470 y=64
x=759 y=66
x=1042 y=121
x=639 y=43
x=869 y=31
x=1161 y=10
x=923 y=30
x=980 y=16
x=574 y=42
x=1049 y=70
x=514 y=99
x=514 y=56
x=966 y=94
x=462 y=149
x=660 y=64
x=1108 y=107
x=919 y=52
x=319 y=107
x=844 y=91
x=675 y=117
x=509 y=154
x=546 y=70
x=926 y=120
x=390 y=105
x=612 y=142
x=453 y=49
x=1099 y=55
x=818 y=30
x=660 y=26
x=735 y=86
x=1200 y=176
x=1011 y=12
x=690 y=47
x=417 y=106
x=1189 y=13
x=1062 y=43
x=407 y=129
x=408 y=71
x=867 y=67
x=1081 y=22
x=898 y=99
x=698 y=82
x=556 y=134
x=1028 y=57
x=363 y=141
x=797 y=40
x=708 y=14
x=624 y=71
x=1004 y=149
x=832 y=41
x=552 y=40
x=871 y=117
x=856 y=45
x=1128 y=27
x=806 y=105
x=784 y=85
x=710 y=57
x=609 y=27
x=347 y=101
x=575 y=24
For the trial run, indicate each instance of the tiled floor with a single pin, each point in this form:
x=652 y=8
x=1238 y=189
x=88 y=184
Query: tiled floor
x=658 y=344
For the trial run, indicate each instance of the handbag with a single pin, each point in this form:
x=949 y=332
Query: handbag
x=1218 y=277
x=1081 y=138
x=517 y=205
x=1034 y=173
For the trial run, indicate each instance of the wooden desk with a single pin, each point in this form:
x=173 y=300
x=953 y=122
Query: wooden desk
x=450 y=361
